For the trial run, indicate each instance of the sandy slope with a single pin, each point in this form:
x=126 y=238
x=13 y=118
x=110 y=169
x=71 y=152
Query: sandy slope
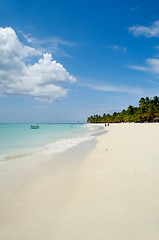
x=113 y=194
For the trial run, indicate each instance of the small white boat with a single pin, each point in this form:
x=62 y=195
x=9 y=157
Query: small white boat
x=33 y=126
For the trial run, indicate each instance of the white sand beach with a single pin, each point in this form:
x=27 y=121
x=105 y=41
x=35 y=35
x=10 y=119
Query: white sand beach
x=104 y=190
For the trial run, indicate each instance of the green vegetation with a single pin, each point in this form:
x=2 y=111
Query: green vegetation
x=148 y=111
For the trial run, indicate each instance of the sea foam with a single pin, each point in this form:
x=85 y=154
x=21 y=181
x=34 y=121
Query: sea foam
x=63 y=145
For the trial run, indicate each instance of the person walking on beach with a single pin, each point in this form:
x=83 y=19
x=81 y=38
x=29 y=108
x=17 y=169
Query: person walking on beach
x=105 y=124
x=108 y=124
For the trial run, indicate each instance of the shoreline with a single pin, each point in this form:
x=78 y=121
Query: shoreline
x=59 y=144
x=110 y=191
x=61 y=171
x=16 y=171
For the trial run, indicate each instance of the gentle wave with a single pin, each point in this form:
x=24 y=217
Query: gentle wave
x=61 y=146
x=51 y=148
x=94 y=129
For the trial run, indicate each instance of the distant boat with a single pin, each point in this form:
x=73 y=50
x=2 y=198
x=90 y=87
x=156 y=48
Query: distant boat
x=33 y=126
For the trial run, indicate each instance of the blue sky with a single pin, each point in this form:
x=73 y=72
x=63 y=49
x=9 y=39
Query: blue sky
x=62 y=61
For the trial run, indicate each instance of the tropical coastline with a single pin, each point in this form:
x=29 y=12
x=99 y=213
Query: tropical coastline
x=20 y=161
x=104 y=187
x=148 y=111
x=79 y=120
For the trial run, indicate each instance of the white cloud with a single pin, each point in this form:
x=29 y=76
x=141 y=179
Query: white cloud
x=139 y=68
x=40 y=80
x=53 y=44
x=150 y=31
x=153 y=82
x=137 y=91
x=53 y=40
x=121 y=89
x=152 y=66
x=28 y=37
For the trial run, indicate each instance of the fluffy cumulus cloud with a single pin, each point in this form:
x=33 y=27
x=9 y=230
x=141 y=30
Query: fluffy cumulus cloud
x=150 y=31
x=41 y=80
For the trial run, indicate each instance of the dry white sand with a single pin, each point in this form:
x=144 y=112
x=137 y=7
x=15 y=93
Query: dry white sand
x=113 y=194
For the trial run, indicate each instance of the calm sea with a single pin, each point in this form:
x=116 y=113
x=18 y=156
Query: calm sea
x=20 y=138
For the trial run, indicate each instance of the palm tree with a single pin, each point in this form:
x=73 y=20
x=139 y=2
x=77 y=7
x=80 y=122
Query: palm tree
x=130 y=110
x=142 y=102
x=148 y=109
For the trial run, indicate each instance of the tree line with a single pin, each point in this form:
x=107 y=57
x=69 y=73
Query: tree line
x=148 y=111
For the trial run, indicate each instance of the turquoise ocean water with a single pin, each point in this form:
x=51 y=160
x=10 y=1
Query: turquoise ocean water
x=20 y=138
